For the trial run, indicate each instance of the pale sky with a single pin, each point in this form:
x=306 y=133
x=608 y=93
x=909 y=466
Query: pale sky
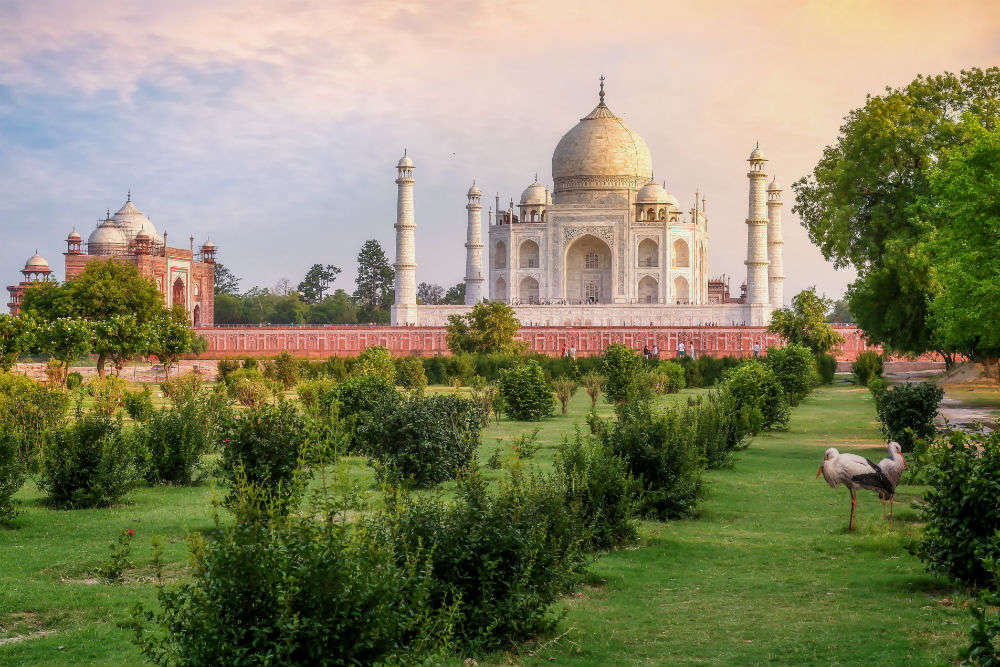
x=273 y=127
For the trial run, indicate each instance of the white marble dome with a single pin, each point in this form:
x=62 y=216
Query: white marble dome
x=773 y=186
x=601 y=152
x=535 y=195
x=132 y=221
x=652 y=193
x=105 y=237
x=36 y=263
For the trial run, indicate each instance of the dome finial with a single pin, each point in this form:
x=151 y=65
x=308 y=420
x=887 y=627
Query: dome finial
x=536 y=177
x=128 y=198
x=601 y=94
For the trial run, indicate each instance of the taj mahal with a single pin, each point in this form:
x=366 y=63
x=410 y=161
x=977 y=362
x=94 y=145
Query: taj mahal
x=605 y=246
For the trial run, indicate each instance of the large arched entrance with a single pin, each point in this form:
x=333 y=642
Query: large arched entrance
x=178 y=299
x=588 y=271
x=529 y=290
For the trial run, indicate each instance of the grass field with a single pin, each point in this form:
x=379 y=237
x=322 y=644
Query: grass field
x=766 y=575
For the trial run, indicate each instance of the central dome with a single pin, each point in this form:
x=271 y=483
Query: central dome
x=601 y=154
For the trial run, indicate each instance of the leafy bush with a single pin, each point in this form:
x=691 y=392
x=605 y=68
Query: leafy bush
x=73 y=380
x=139 y=404
x=525 y=446
x=826 y=366
x=877 y=386
x=982 y=650
x=907 y=412
x=669 y=377
x=248 y=387
x=410 y=375
x=109 y=394
x=317 y=396
x=176 y=437
x=960 y=509
x=88 y=463
x=525 y=392
x=625 y=376
x=867 y=365
x=11 y=472
x=565 y=388
x=721 y=426
x=504 y=554
x=426 y=440
x=593 y=383
x=363 y=399
x=661 y=452
x=705 y=371
x=285 y=369
x=795 y=368
x=485 y=395
x=599 y=486
x=261 y=448
x=375 y=361
x=224 y=367
x=29 y=411
x=758 y=395
x=182 y=387
x=296 y=591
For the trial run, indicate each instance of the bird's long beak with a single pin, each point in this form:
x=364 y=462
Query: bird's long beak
x=819 y=472
x=905 y=466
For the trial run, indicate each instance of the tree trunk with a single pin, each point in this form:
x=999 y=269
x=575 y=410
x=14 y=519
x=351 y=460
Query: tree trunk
x=949 y=360
x=101 y=360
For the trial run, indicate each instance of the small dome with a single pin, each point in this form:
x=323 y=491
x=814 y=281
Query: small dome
x=474 y=191
x=534 y=195
x=773 y=185
x=74 y=236
x=405 y=161
x=107 y=234
x=757 y=154
x=36 y=263
x=652 y=193
x=208 y=245
x=142 y=235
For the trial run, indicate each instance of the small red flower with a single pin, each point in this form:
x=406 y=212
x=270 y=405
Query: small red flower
x=131 y=532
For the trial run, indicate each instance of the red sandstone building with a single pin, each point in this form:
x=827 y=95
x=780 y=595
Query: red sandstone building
x=183 y=277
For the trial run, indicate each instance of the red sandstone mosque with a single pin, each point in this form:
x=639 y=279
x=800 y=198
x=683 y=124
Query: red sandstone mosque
x=183 y=277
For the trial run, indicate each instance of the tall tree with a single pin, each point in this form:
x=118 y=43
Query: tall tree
x=840 y=312
x=375 y=276
x=317 y=281
x=490 y=327
x=805 y=322
x=121 y=338
x=172 y=337
x=65 y=339
x=455 y=295
x=860 y=202
x=226 y=282
x=429 y=293
x=17 y=336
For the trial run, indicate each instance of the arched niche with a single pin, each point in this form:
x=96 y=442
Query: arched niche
x=500 y=255
x=528 y=255
x=649 y=253
x=528 y=292
x=682 y=253
x=649 y=290
x=681 y=290
x=588 y=277
x=500 y=290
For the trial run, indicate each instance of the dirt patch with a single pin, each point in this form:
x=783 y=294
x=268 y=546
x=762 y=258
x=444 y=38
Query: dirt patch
x=20 y=638
x=844 y=446
x=968 y=372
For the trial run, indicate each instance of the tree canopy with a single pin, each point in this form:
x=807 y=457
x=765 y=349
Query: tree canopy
x=805 y=323
x=861 y=203
x=317 y=281
x=225 y=281
x=489 y=328
x=375 y=277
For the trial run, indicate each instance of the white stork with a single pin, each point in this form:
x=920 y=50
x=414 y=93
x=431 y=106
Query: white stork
x=855 y=472
x=892 y=467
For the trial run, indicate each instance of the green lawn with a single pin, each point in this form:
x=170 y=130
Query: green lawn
x=767 y=574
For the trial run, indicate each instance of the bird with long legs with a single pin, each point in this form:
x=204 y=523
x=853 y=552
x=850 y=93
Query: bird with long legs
x=855 y=472
x=892 y=467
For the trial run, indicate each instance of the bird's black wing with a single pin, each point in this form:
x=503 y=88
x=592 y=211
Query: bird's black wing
x=875 y=479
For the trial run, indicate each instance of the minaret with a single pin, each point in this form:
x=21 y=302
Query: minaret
x=757 y=235
x=775 y=246
x=474 y=249
x=404 y=310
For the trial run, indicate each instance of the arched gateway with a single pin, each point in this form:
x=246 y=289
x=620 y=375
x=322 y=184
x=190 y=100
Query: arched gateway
x=588 y=271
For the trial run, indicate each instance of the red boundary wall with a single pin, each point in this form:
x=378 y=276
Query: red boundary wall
x=333 y=340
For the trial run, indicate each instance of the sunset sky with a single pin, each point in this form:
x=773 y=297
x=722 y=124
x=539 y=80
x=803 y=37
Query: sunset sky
x=273 y=127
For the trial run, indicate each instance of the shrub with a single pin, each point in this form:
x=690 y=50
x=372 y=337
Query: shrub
x=505 y=554
x=426 y=440
x=669 y=377
x=183 y=387
x=866 y=365
x=11 y=473
x=795 y=368
x=721 y=426
x=109 y=394
x=363 y=399
x=248 y=388
x=317 y=396
x=485 y=395
x=296 y=591
x=29 y=411
x=250 y=363
x=375 y=361
x=88 y=463
x=410 y=375
x=758 y=395
x=877 y=386
x=73 y=380
x=960 y=509
x=907 y=412
x=525 y=446
x=593 y=383
x=982 y=650
x=285 y=369
x=565 y=388
x=599 y=486
x=526 y=394
x=661 y=452
x=176 y=437
x=826 y=366
x=224 y=367
x=139 y=404
x=262 y=447
x=625 y=376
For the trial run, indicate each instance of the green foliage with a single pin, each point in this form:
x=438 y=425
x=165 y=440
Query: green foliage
x=525 y=446
x=310 y=590
x=660 y=451
x=706 y=371
x=877 y=386
x=488 y=329
x=120 y=338
x=139 y=404
x=426 y=440
x=109 y=394
x=363 y=398
x=526 y=394
x=410 y=375
x=73 y=380
x=826 y=366
x=283 y=369
x=65 y=339
x=565 y=387
x=176 y=437
x=722 y=426
x=377 y=362
x=87 y=463
x=669 y=377
x=112 y=571
x=907 y=412
x=861 y=203
x=599 y=486
x=224 y=367
x=262 y=448
x=225 y=282
x=840 y=312
x=317 y=280
x=248 y=387
x=867 y=365
x=759 y=396
x=983 y=650
x=29 y=411
x=593 y=382
x=795 y=367
x=805 y=323
x=12 y=471
x=374 y=280
x=625 y=375
x=171 y=338
x=501 y=554
x=17 y=336
x=962 y=531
